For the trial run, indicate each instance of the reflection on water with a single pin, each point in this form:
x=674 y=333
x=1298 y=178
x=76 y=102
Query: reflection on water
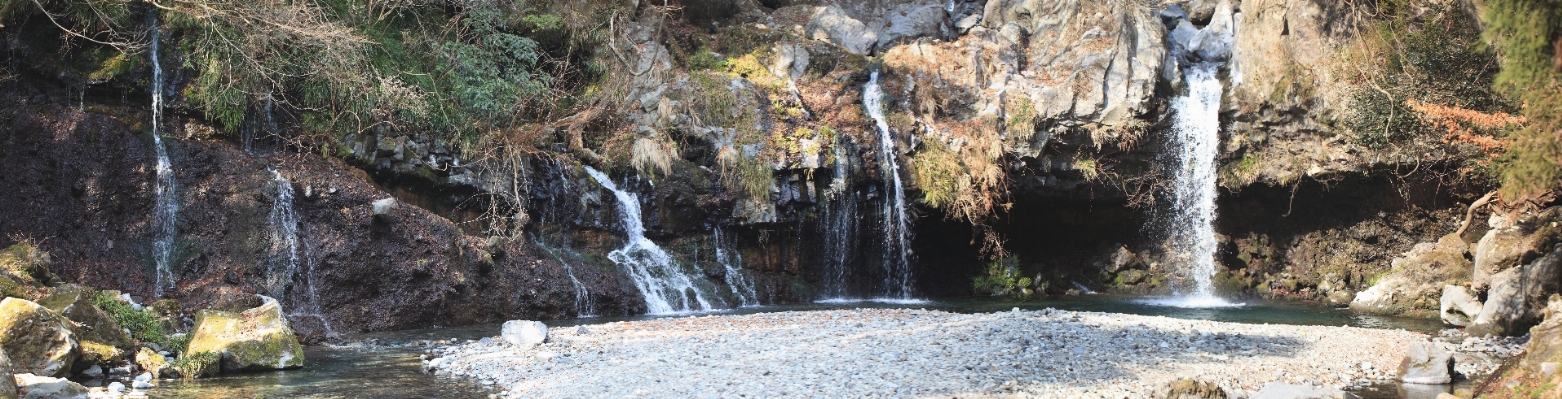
x=386 y=364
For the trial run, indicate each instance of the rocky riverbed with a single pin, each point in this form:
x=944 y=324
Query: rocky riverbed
x=907 y=352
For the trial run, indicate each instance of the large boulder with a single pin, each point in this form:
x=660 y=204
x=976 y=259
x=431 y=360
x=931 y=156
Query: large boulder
x=1426 y=364
x=36 y=340
x=524 y=332
x=1457 y=306
x=253 y=340
x=91 y=324
x=1518 y=296
x=1545 y=340
x=1514 y=240
x=1414 y=285
x=31 y=386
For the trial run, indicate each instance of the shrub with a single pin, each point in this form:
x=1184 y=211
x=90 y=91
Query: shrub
x=196 y=365
x=144 y=326
x=1003 y=279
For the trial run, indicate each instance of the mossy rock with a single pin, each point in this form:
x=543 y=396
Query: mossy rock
x=197 y=365
x=37 y=340
x=7 y=384
x=253 y=340
x=97 y=353
x=76 y=303
x=151 y=361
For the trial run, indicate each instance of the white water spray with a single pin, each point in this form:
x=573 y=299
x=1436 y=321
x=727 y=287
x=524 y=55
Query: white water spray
x=1195 y=143
x=666 y=289
x=284 y=238
x=897 y=236
x=740 y=284
x=166 y=210
x=840 y=213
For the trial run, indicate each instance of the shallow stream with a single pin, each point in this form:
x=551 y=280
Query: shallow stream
x=386 y=364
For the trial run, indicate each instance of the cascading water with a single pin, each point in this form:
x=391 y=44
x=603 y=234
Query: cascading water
x=740 y=284
x=897 y=236
x=584 y=306
x=1195 y=143
x=284 y=239
x=312 y=308
x=166 y=210
x=666 y=289
x=840 y=214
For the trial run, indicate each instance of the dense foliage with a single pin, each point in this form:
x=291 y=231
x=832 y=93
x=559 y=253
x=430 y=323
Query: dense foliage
x=1528 y=35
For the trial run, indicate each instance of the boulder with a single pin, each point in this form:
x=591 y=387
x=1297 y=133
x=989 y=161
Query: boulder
x=910 y=21
x=1426 y=364
x=1190 y=389
x=151 y=361
x=252 y=340
x=383 y=207
x=31 y=386
x=1457 y=307
x=1513 y=241
x=524 y=332
x=833 y=24
x=1544 y=351
x=1415 y=282
x=1517 y=297
x=1281 y=390
x=1122 y=259
x=92 y=324
x=7 y=385
x=36 y=340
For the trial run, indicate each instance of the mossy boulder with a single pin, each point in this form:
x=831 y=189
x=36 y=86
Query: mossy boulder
x=97 y=353
x=92 y=324
x=24 y=271
x=37 y=340
x=151 y=361
x=253 y=340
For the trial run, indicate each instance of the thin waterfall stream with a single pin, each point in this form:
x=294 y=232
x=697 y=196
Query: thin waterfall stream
x=897 y=235
x=584 y=306
x=166 y=209
x=284 y=239
x=741 y=285
x=667 y=289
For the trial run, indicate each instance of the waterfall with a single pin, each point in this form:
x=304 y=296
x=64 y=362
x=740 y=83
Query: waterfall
x=166 y=210
x=1195 y=143
x=666 y=289
x=313 y=306
x=584 y=306
x=840 y=214
x=284 y=239
x=897 y=261
x=741 y=285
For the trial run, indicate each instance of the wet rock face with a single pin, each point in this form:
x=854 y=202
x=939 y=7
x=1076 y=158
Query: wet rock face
x=87 y=179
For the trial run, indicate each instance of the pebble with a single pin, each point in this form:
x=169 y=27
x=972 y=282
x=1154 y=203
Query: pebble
x=910 y=352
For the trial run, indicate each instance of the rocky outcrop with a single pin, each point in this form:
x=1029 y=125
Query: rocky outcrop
x=1518 y=295
x=253 y=340
x=36 y=340
x=1415 y=284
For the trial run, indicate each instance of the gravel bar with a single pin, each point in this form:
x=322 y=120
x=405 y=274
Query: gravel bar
x=921 y=353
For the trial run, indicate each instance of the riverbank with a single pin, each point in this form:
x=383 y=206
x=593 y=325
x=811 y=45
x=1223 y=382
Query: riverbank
x=907 y=352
